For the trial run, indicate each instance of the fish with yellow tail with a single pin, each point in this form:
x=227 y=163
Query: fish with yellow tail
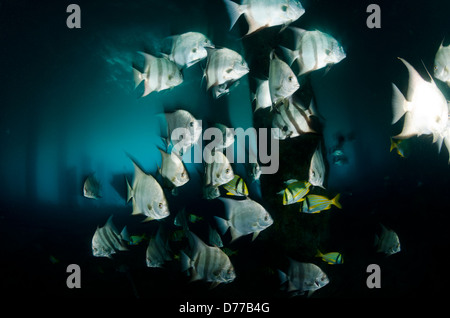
x=331 y=257
x=236 y=187
x=401 y=146
x=314 y=203
x=295 y=191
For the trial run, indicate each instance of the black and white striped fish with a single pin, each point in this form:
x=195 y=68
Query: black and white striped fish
x=292 y=120
x=224 y=66
x=243 y=217
x=282 y=80
x=92 y=188
x=218 y=170
x=107 y=240
x=442 y=64
x=314 y=50
x=317 y=168
x=261 y=14
x=388 y=242
x=158 y=250
x=147 y=196
x=303 y=278
x=262 y=95
x=207 y=263
x=187 y=49
x=159 y=74
x=183 y=130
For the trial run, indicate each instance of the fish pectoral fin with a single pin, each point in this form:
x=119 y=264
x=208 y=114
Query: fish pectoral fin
x=147 y=219
x=135 y=212
x=255 y=235
x=214 y=284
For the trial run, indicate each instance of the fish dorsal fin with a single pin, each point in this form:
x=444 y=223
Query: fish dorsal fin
x=197 y=245
x=148 y=57
x=298 y=32
x=414 y=79
x=291 y=181
x=431 y=78
x=109 y=224
x=290 y=55
x=399 y=104
x=137 y=170
x=164 y=156
x=234 y=11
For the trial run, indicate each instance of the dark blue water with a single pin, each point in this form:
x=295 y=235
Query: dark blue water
x=69 y=108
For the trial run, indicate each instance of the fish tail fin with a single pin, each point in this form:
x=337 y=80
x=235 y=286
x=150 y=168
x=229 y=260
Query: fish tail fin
x=319 y=254
x=398 y=104
x=394 y=144
x=185 y=261
x=138 y=77
x=129 y=191
x=234 y=11
x=336 y=201
x=447 y=145
x=440 y=140
x=283 y=277
x=125 y=235
x=222 y=224
x=289 y=54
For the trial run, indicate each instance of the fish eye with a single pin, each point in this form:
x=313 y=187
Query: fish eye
x=229 y=70
x=191 y=124
x=227 y=170
x=194 y=50
x=285 y=128
x=435 y=67
x=160 y=205
x=290 y=78
x=170 y=77
x=182 y=174
x=284 y=7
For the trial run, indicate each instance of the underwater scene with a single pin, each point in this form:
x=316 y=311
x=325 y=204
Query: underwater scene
x=249 y=150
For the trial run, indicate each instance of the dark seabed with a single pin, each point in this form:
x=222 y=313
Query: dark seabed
x=69 y=108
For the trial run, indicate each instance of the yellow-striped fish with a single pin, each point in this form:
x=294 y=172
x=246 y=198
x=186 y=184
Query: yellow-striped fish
x=236 y=186
x=314 y=203
x=295 y=191
x=331 y=258
x=402 y=146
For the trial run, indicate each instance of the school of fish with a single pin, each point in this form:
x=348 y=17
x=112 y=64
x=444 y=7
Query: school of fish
x=424 y=108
